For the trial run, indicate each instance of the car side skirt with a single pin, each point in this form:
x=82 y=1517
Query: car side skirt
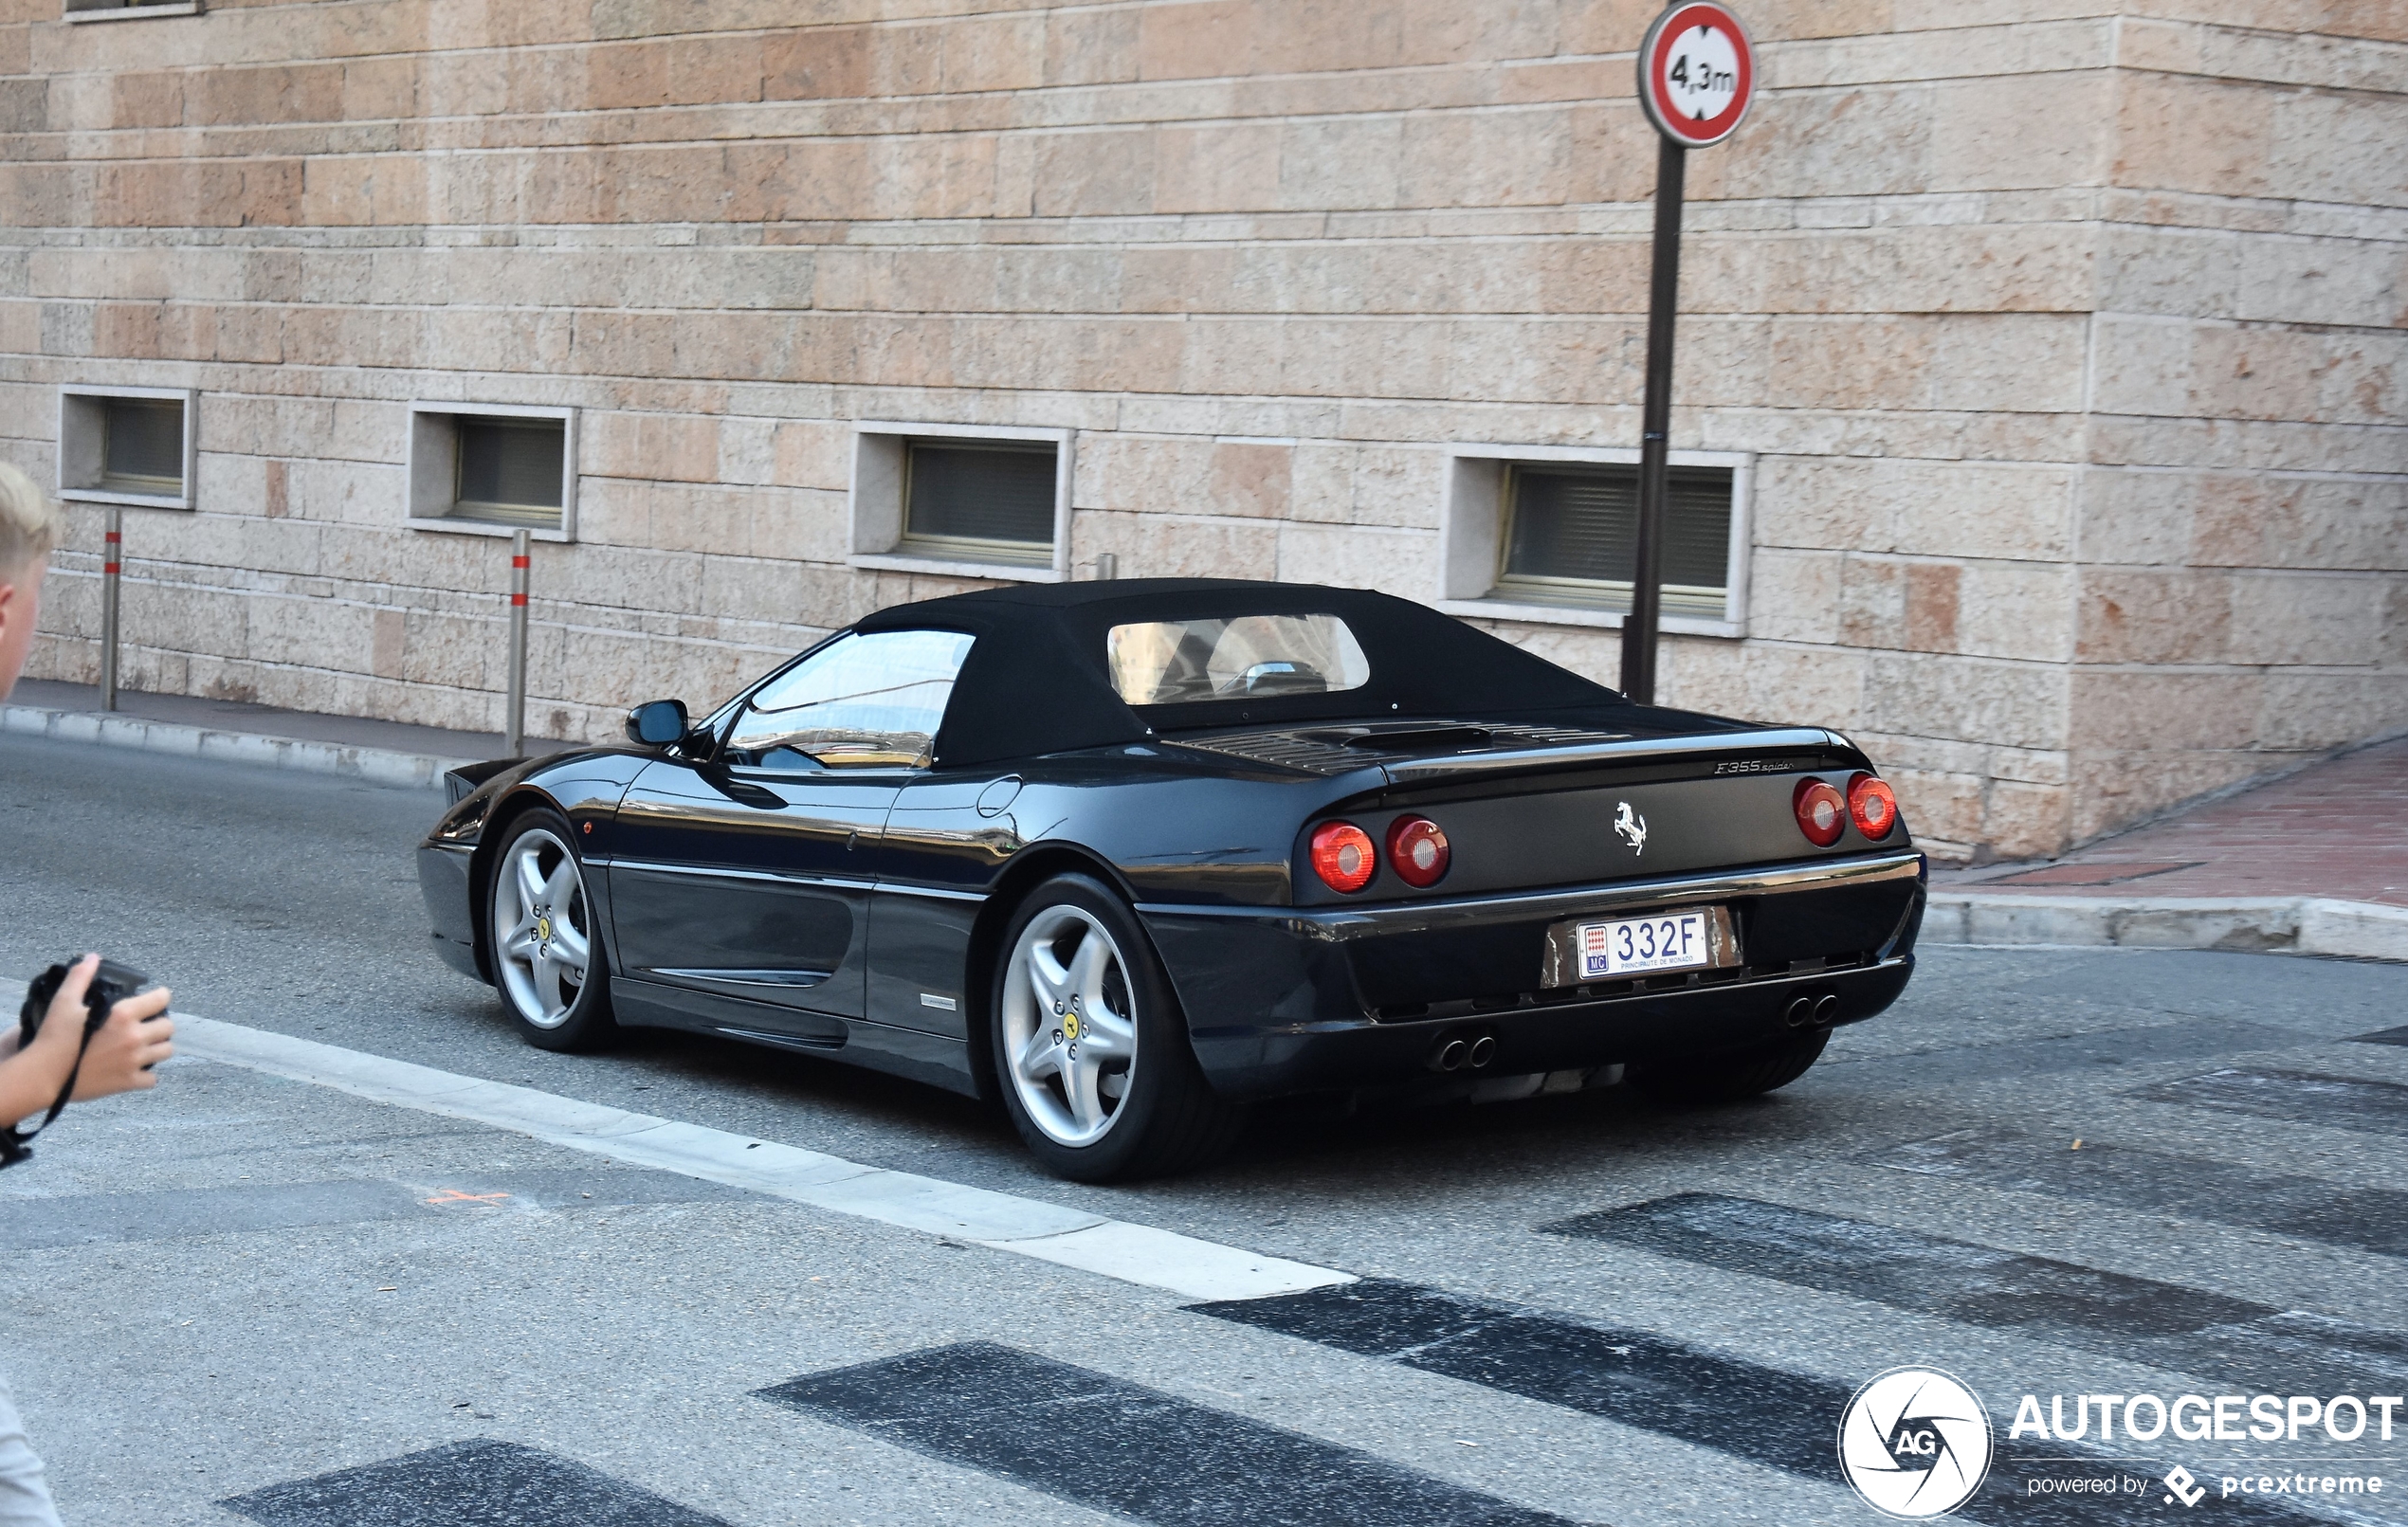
x=935 y=1059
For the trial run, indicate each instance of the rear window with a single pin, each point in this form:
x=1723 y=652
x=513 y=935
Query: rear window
x=1174 y=662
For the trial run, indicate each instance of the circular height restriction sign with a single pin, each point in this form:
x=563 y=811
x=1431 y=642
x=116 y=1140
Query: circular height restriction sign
x=1697 y=74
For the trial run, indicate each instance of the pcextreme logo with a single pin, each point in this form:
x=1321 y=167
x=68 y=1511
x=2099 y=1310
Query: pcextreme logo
x=1915 y=1442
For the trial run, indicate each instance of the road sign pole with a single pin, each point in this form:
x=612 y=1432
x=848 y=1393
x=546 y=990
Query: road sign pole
x=1697 y=77
x=1655 y=428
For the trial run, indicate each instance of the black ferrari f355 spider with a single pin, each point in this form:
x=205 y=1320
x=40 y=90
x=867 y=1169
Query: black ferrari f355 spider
x=1128 y=855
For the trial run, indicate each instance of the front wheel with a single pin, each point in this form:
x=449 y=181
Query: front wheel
x=547 y=958
x=1091 y=1047
x=1734 y=1074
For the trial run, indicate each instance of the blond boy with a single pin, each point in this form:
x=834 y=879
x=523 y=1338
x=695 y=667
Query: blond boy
x=137 y=1035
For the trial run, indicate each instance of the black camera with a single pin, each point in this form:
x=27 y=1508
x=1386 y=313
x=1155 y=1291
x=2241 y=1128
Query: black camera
x=112 y=983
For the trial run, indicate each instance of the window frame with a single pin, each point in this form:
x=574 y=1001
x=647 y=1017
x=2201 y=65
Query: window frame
x=431 y=470
x=82 y=457
x=70 y=11
x=878 y=502
x=1472 y=536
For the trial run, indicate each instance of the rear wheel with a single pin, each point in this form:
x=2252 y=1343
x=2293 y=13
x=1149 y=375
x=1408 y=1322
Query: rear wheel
x=1091 y=1047
x=547 y=958
x=1731 y=1075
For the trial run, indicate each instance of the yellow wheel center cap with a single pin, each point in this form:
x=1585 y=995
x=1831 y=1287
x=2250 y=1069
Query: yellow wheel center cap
x=1070 y=1025
x=543 y=929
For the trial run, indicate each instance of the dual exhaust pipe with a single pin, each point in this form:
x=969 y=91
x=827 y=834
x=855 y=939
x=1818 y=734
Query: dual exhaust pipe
x=1464 y=1050
x=1472 y=1050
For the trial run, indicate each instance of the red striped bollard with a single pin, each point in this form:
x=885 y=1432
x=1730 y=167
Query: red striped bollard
x=112 y=559
x=514 y=723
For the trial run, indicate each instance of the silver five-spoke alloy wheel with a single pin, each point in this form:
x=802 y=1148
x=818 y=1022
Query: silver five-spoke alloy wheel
x=1069 y=1025
x=542 y=927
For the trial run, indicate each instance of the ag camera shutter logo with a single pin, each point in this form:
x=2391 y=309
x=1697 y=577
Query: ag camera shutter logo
x=1915 y=1442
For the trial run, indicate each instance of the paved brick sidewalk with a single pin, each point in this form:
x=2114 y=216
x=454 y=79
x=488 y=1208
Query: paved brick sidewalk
x=2336 y=830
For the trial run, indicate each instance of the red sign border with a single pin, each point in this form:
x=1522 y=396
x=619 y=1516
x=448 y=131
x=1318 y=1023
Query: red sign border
x=1687 y=132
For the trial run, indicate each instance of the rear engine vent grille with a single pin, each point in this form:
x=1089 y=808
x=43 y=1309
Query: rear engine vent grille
x=1333 y=751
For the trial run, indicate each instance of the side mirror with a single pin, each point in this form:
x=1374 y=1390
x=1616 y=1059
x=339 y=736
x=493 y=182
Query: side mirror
x=657 y=723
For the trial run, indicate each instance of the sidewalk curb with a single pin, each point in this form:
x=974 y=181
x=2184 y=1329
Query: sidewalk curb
x=2297 y=925
x=376 y=766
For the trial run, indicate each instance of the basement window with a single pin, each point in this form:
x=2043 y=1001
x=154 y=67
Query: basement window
x=493 y=469
x=128 y=445
x=1572 y=536
x=1551 y=535
x=969 y=500
x=982 y=503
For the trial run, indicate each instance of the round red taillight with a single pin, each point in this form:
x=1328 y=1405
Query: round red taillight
x=1822 y=811
x=1872 y=806
x=1344 y=856
x=1417 y=851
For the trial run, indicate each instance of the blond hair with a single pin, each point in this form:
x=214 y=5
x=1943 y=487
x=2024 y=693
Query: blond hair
x=28 y=522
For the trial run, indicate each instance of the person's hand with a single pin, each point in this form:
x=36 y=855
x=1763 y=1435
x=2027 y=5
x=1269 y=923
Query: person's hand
x=133 y=1038
x=53 y=1048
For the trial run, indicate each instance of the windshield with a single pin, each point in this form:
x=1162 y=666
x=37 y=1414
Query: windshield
x=1171 y=661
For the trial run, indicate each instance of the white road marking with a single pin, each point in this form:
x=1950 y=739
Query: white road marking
x=1049 y=1232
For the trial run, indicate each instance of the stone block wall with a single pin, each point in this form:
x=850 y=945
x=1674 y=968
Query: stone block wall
x=2067 y=335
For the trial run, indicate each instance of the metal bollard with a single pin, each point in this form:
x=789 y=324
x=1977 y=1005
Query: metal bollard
x=514 y=720
x=1108 y=566
x=112 y=557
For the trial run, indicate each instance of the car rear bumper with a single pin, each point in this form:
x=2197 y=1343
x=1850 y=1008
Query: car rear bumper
x=1300 y=999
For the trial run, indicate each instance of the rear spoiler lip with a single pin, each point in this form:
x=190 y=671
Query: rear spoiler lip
x=1635 y=750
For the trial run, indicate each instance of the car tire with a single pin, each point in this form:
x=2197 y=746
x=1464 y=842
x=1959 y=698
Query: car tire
x=1090 y=1048
x=1732 y=1075
x=543 y=940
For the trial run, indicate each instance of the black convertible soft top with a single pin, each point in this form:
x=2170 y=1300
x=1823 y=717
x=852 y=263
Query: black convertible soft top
x=1038 y=680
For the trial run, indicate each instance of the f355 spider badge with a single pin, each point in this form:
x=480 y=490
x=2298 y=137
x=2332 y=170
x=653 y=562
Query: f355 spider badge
x=1630 y=828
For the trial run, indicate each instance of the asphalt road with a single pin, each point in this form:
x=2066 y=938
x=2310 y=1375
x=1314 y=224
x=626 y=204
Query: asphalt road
x=233 y=1300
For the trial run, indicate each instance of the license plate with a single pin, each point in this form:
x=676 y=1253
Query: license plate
x=1631 y=946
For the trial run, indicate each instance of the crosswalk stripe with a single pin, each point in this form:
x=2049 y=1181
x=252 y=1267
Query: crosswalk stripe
x=1653 y=1382
x=2166 y=1325
x=2294 y=1097
x=1104 y=1443
x=465 y=1484
x=2371 y=1219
